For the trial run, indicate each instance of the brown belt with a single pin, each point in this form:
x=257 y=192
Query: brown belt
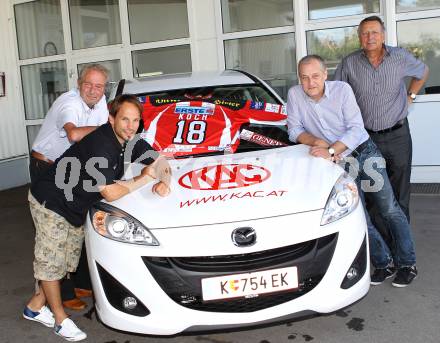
x=40 y=157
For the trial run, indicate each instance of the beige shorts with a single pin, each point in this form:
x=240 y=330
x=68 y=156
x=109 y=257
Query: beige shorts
x=57 y=243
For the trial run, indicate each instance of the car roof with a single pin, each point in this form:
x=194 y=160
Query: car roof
x=150 y=84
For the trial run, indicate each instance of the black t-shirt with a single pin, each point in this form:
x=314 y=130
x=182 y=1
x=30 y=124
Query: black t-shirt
x=69 y=188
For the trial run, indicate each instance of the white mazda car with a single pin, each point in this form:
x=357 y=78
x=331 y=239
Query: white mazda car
x=255 y=229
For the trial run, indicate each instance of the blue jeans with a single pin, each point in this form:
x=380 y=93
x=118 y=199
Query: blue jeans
x=402 y=253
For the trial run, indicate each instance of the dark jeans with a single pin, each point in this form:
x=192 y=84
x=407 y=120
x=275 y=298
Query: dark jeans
x=403 y=252
x=81 y=278
x=396 y=148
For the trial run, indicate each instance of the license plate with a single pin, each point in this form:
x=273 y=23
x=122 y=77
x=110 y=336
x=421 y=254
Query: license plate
x=250 y=284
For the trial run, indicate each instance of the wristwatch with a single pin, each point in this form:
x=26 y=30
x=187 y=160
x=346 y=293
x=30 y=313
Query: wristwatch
x=413 y=96
x=331 y=151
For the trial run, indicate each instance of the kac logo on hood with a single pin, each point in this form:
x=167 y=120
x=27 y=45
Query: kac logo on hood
x=224 y=176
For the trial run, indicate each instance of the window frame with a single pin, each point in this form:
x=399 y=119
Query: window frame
x=415 y=15
x=302 y=24
x=121 y=51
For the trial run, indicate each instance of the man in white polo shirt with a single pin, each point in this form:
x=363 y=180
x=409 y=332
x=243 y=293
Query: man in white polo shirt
x=72 y=116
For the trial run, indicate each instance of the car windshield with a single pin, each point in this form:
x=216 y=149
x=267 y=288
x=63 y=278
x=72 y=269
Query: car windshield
x=213 y=120
x=231 y=92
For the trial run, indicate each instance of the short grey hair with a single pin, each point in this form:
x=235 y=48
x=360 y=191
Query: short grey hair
x=93 y=66
x=309 y=58
x=371 y=18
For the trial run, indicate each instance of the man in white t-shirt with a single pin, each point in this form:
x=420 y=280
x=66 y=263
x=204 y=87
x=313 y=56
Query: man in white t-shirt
x=72 y=116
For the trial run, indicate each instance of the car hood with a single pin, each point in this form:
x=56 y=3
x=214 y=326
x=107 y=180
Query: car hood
x=236 y=187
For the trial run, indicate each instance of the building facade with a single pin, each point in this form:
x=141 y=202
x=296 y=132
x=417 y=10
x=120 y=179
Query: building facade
x=45 y=43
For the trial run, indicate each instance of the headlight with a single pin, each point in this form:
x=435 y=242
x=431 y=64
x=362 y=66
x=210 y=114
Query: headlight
x=343 y=199
x=115 y=224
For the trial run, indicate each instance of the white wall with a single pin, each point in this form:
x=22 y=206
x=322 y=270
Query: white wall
x=12 y=129
x=424 y=121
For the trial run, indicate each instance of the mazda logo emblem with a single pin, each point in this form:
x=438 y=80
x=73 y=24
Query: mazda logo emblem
x=244 y=236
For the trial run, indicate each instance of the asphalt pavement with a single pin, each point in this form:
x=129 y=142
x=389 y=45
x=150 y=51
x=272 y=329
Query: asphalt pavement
x=386 y=314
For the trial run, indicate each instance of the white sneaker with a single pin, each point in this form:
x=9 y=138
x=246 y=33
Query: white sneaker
x=43 y=316
x=69 y=331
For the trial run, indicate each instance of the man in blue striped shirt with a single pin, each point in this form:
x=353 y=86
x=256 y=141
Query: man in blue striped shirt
x=377 y=75
x=325 y=115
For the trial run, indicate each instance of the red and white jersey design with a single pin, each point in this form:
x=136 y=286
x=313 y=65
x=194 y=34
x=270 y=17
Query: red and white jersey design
x=178 y=128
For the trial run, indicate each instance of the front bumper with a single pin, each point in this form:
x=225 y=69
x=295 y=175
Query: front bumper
x=168 y=284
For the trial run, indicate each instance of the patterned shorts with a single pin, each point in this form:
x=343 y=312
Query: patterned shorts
x=57 y=243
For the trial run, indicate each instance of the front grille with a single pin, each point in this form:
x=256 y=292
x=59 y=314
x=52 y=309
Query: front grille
x=228 y=263
x=180 y=277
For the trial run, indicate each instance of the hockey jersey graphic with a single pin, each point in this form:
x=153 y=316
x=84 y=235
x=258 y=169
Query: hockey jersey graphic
x=179 y=127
